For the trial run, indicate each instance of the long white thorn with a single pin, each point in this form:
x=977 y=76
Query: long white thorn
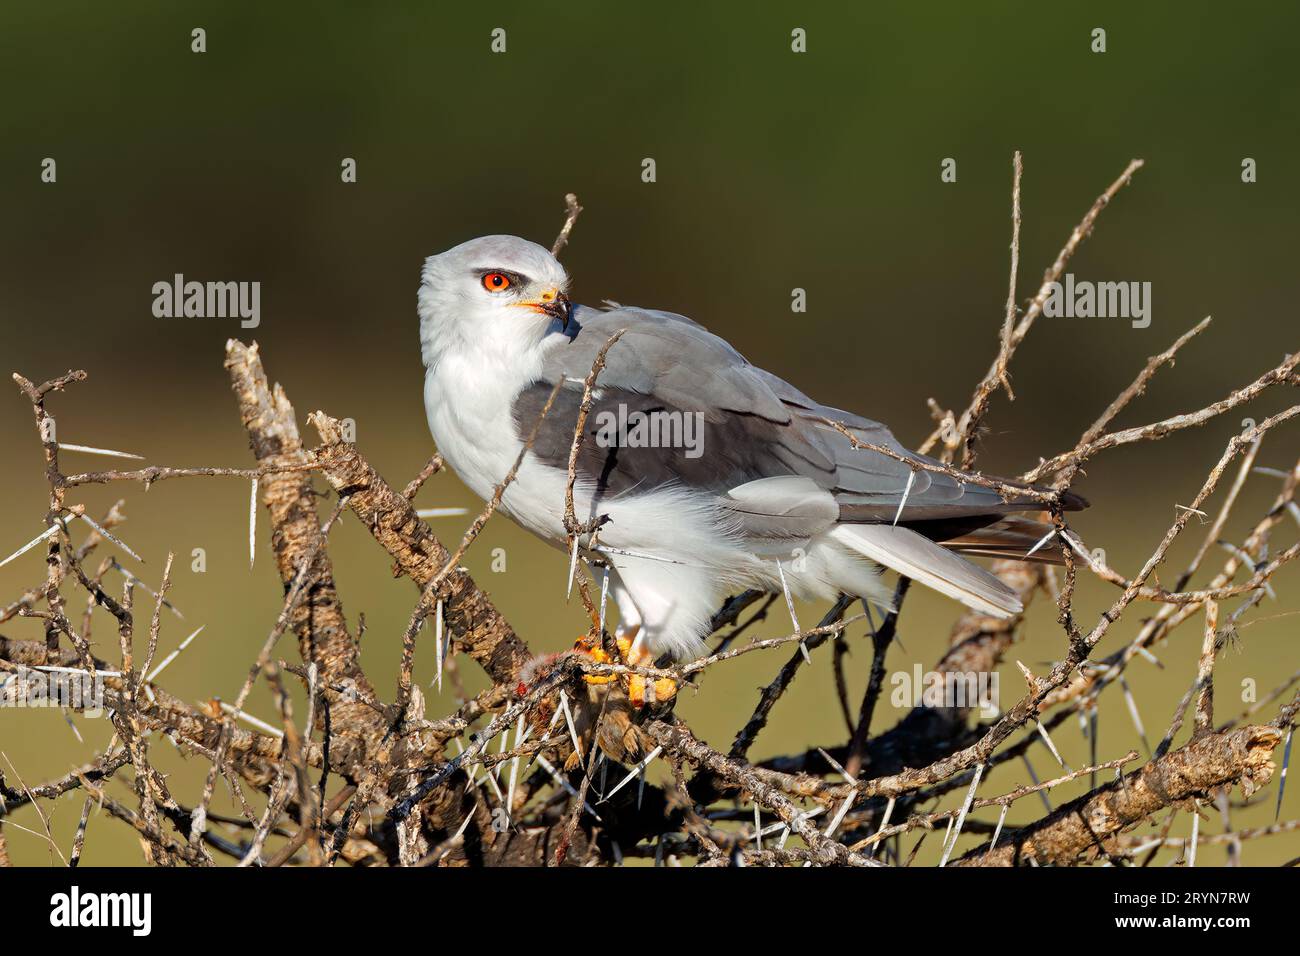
x=1079 y=549
x=514 y=766
x=108 y=452
x=604 y=597
x=47 y=533
x=961 y=817
x=54 y=669
x=835 y=764
x=568 y=719
x=136 y=582
x=635 y=772
x=252 y=721
x=1041 y=541
x=563 y=782
x=473 y=768
x=72 y=725
x=884 y=822
x=789 y=603
x=573 y=568
x=780 y=825
x=491 y=778
x=997 y=831
x=785 y=833
x=555 y=715
x=1142 y=847
x=252 y=524
x=460 y=832
x=1273 y=472
x=441 y=512
x=437 y=644
x=1244 y=557
x=606 y=549
x=911 y=479
x=174 y=654
x=785 y=827
x=1047 y=739
x=1133 y=713
x=839 y=816
x=109 y=535
x=1149 y=656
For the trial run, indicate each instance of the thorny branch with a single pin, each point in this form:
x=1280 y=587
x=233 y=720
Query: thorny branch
x=368 y=779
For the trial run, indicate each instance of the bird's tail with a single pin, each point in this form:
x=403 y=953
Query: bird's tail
x=917 y=557
x=1014 y=536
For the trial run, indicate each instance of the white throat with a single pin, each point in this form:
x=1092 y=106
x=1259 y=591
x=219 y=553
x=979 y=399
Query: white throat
x=471 y=382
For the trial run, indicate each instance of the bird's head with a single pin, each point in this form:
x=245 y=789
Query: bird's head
x=494 y=287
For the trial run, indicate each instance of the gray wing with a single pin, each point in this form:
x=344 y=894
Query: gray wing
x=752 y=426
x=870 y=485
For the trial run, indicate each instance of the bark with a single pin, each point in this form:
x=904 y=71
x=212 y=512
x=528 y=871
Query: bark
x=1081 y=828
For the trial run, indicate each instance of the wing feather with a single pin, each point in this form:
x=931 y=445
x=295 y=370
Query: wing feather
x=754 y=426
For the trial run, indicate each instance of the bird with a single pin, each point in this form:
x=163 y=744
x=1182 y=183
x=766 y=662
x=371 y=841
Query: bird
x=708 y=475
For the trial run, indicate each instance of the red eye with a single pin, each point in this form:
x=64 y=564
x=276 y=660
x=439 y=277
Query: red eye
x=496 y=282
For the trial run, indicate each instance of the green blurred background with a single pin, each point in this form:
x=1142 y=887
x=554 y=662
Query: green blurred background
x=775 y=171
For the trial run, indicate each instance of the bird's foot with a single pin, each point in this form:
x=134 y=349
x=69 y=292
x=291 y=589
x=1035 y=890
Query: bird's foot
x=599 y=656
x=589 y=646
x=641 y=689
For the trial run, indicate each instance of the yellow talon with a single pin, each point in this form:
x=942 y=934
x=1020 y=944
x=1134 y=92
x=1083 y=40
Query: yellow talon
x=665 y=688
x=636 y=690
x=598 y=655
x=640 y=691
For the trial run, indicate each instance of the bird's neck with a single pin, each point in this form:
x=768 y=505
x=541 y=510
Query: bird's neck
x=499 y=344
x=509 y=360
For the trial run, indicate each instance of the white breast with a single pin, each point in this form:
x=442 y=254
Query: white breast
x=469 y=417
x=469 y=407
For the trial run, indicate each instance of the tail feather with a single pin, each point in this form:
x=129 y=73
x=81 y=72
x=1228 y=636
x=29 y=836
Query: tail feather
x=1012 y=537
x=917 y=557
